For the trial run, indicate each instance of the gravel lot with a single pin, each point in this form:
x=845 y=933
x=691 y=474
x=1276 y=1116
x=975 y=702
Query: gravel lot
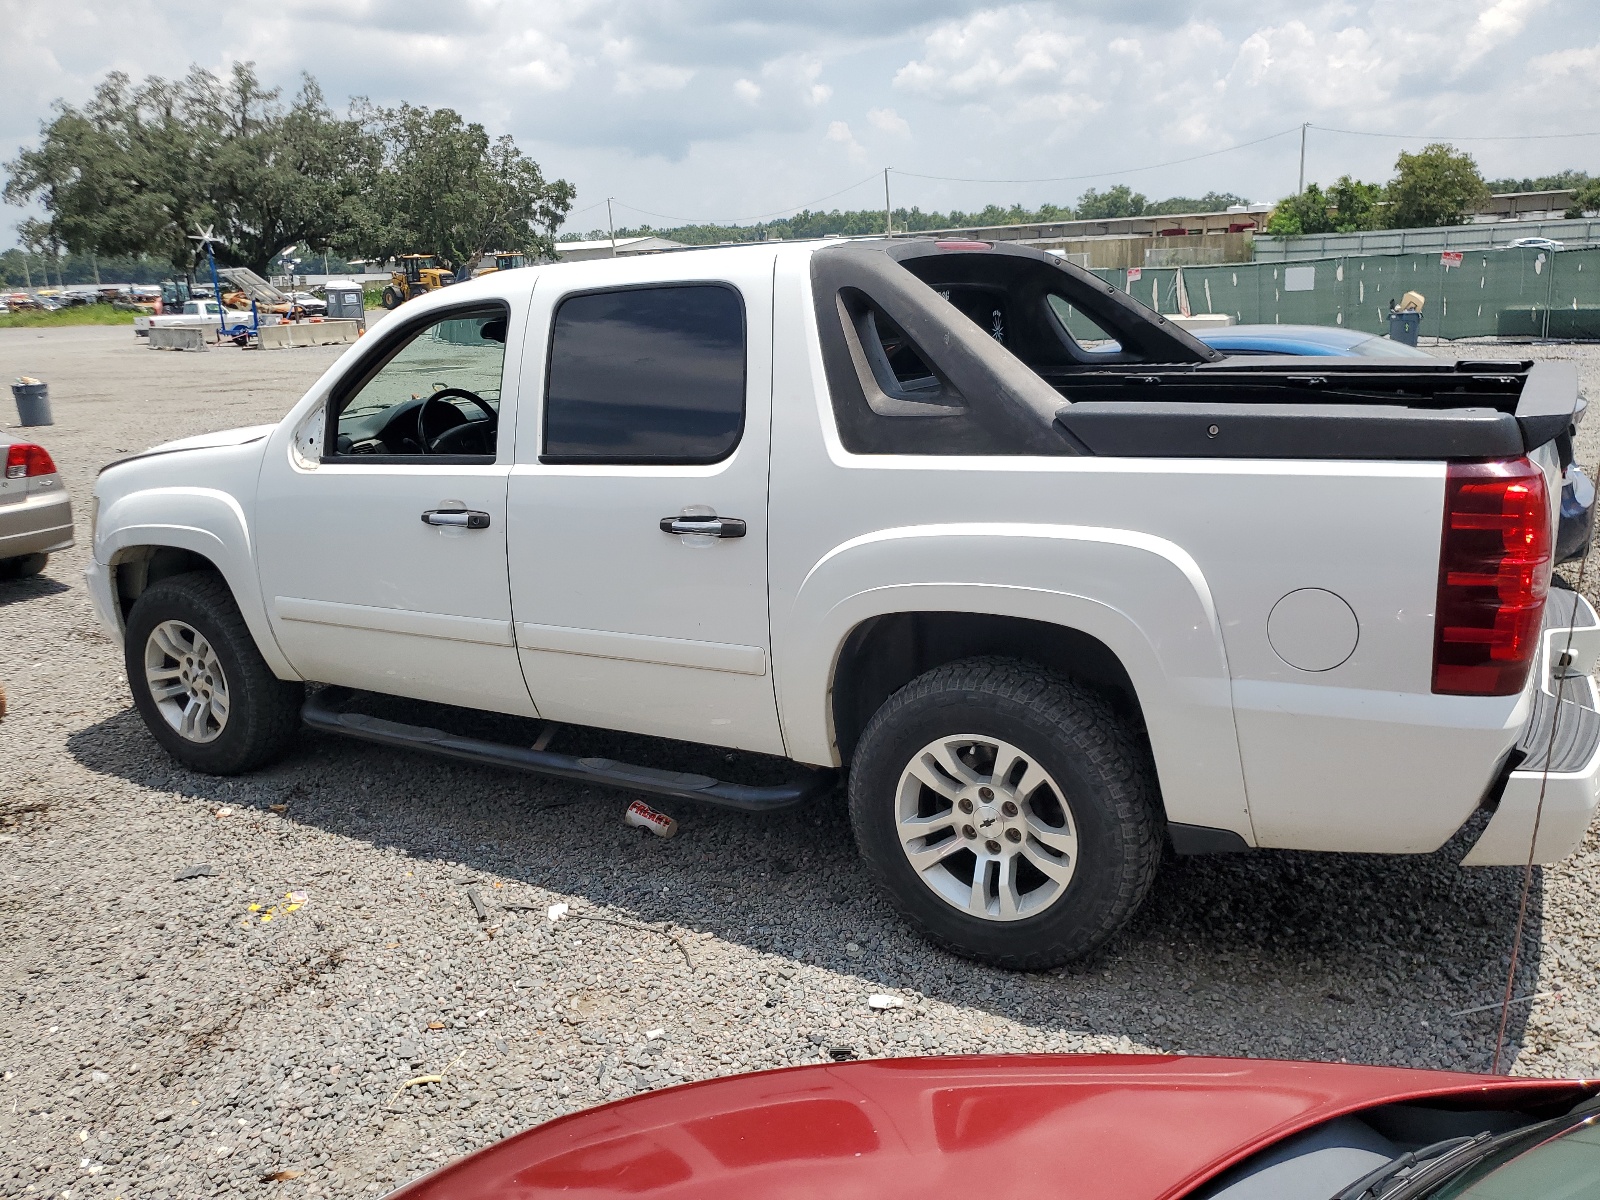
x=162 y=1038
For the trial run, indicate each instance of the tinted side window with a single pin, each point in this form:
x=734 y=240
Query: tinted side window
x=646 y=375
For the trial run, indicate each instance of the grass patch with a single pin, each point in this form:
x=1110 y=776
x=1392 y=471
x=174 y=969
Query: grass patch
x=82 y=314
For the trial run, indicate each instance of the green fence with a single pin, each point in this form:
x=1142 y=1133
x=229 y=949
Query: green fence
x=1520 y=292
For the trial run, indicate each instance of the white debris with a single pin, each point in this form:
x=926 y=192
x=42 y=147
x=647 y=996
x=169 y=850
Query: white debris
x=652 y=1034
x=556 y=911
x=880 y=1001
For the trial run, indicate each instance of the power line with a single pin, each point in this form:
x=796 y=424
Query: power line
x=762 y=217
x=1440 y=137
x=1107 y=174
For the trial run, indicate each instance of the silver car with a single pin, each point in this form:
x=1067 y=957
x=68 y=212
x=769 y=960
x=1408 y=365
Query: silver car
x=35 y=510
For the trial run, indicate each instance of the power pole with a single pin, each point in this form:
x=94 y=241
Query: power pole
x=611 y=225
x=888 y=213
x=1304 y=125
x=95 y=263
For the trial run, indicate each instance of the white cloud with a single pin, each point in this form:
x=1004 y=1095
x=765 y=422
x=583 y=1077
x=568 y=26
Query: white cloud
x=839 y=131
x=886 y=120
x=717 y=109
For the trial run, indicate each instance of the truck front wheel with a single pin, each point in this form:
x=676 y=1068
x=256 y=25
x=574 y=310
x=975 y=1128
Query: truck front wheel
x=199 y=682
x=1007 y=812
x=392 y=299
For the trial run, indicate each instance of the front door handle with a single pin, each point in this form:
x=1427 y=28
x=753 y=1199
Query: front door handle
x=463 y=518
x=720 y=527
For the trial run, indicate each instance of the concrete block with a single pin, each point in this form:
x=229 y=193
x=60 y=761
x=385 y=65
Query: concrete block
x=179 y=338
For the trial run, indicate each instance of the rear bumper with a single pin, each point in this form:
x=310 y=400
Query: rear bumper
x=39 y=524
x=1562 y=735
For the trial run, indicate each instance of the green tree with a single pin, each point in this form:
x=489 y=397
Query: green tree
x=445 y=187
x=1118 y=201
x=141 y=167
x=1439 y=185
x=1585 y=198
x=1355 y=206
x=1209 y=203
x=1560 y=181
x=1304 y=213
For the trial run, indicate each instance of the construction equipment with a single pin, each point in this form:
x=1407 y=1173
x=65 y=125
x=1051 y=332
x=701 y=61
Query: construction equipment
x=418 y=275
x=503 y=260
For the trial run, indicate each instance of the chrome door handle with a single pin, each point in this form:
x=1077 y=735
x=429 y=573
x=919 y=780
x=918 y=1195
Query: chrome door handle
x=720 y=527
x=464 y=518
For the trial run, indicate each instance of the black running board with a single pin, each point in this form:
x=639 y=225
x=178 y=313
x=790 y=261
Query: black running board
x=322 y=711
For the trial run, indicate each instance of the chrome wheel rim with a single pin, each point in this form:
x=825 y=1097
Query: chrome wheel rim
x=986 y=828
x=186 y=681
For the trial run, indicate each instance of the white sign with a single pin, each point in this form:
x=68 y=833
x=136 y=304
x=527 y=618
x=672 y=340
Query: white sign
x=1299 y=279
x=1135 y=274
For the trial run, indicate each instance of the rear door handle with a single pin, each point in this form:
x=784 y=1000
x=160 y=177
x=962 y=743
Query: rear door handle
x=721 y=527
x=464 y=518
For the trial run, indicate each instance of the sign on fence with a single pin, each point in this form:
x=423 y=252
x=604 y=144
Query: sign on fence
x=1451 y=258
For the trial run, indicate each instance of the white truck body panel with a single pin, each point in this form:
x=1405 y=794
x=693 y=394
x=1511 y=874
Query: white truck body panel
x=574 y=606
x=618 y=624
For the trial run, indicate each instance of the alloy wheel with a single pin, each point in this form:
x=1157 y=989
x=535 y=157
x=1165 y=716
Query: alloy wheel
x=986 y=827
x=186 y=681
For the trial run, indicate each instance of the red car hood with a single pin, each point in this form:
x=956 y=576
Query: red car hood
x=1096 y=1127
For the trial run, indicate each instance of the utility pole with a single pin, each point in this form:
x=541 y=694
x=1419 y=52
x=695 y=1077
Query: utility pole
x=611 y=225
x=888 y=213
x=95 y=263
x=1304 y=125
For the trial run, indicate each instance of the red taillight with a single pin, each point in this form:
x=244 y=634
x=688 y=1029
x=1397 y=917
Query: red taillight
x=1494 y=573
x=24 y=459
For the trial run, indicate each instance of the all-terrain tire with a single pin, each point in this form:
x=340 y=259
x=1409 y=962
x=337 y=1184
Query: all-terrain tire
x=22 y=566
x=392 y=299
x=263 y=710
x=1099 y=762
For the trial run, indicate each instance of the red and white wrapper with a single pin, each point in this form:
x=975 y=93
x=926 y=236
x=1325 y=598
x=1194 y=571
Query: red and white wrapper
x=641 y=814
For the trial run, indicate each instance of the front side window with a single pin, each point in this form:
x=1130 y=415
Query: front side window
x=436 y=393
x=646 y=375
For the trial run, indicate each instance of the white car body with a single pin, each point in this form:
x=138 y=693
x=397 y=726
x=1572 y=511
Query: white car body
x=196 y=314
x=572 y=606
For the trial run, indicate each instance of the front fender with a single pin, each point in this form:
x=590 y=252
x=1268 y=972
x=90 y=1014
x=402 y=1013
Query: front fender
x=205 y=521
x=1142 y=596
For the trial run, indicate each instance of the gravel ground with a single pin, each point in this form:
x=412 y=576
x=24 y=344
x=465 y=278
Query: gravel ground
x=327 y=1005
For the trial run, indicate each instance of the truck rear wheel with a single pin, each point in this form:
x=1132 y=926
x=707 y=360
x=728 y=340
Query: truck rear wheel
x=199 y=682
x=1007 y=812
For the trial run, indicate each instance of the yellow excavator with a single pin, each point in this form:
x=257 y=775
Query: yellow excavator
x=418 y=275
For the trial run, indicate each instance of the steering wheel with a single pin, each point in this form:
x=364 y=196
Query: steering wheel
x=450 y=440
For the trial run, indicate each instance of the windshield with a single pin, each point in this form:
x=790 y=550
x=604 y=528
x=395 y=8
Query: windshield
x=1562 y=1165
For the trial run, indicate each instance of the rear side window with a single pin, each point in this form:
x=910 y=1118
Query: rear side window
x=646 y=375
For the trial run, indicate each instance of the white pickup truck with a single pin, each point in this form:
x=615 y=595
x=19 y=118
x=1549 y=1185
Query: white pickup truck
x=879 y=507
x=196 y=314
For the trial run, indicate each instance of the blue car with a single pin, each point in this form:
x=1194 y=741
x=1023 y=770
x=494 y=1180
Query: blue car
x=1577 y=492
x=1319 y=340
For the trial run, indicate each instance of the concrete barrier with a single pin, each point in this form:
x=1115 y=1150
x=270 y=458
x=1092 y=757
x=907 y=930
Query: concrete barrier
x=309 y=333
x=179 y=337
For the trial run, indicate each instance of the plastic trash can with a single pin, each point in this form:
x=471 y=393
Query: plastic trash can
x=1403 y=327
x=33 y=403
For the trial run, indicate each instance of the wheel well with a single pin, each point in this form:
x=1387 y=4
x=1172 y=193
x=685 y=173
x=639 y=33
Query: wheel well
x=137 y=567
x=883 y=654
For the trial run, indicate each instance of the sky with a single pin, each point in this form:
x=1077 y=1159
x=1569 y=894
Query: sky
x=716 y=110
